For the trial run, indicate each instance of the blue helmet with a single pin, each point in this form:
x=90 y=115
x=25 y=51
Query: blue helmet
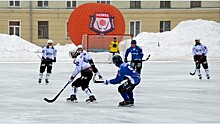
x=133 y=42
x=117 y=60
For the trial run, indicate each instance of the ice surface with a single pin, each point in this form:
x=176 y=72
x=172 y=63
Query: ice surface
x=167 y=93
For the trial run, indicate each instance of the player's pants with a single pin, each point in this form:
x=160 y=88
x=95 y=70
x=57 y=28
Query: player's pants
x=83 y=81
x=44 y=64
x=137 y=65
x=126 y=90
x=201 y=60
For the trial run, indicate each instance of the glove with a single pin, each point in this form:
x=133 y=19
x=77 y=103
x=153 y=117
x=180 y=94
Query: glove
x=71 y=79
x=125 y=60
x=54 y=60
x=106 y=82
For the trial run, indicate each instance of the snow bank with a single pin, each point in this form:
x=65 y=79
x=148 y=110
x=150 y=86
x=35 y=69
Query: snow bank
x=175 y=45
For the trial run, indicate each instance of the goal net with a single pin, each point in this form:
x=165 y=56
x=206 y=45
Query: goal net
x=98 y=45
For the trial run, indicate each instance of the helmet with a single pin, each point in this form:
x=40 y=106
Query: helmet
x=79 y=47
x=49 y=41
x=117 y=60
x=198 y=39
x=133 y=42
x=73 y=54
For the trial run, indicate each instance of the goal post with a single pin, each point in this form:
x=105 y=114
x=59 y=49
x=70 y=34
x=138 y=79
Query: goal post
x=101 y=42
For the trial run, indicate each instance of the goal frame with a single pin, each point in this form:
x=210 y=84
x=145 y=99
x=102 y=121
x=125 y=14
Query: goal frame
x=85 y=45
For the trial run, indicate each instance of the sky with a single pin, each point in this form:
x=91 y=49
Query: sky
x=174 y=45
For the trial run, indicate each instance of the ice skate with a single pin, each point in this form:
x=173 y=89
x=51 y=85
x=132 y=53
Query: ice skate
x=207 y=76
x=39 y=81
x=46 y=81
x=91 y=99
x=131 y=102
x=125 y=104
x=72 y=99
x=200 y=76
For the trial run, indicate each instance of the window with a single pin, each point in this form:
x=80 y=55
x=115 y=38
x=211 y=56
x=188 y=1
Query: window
x=14 y=3
x=165 y=4
x=67 y=33
x=71 y=4
x=43 y=29
x=164 y=26
x=135 y=27
x=103 y=1
x=195 y=4
x=14 y=28
x=42 y=3
x=135 y=4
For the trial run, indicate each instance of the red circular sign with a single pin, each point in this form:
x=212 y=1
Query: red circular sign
x=95 y=18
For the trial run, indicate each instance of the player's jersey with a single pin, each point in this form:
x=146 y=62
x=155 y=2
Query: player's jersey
x=81 y=64
x=49 y=52
x=85 y=55
x=199 y=50
x=136 y=53
x=126 y=72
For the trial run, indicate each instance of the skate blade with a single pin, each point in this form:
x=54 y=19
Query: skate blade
x=129 y=105
x=91 y=102
x=72 y=101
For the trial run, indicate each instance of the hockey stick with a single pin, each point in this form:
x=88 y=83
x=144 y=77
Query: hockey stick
x=143 y=59
x=193 y=73
x=52 y=100
x=39 y=57
x=95 y=81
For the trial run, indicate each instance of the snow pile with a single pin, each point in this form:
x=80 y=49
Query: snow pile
x=63 y=52
x=16 y=49
x=177 y=44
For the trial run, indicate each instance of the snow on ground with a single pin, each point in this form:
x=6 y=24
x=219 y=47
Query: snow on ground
x=175 y=45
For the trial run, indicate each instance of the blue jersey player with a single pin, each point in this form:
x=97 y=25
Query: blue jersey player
x=136 y=56
x=129 y=76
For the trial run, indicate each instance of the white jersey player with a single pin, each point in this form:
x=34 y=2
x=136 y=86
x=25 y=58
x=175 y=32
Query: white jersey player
x=89 y=59
x=199 y=52
x=83 y=67
x=49 y=54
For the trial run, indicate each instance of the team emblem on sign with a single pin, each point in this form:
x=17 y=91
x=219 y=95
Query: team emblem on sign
x=102 y=23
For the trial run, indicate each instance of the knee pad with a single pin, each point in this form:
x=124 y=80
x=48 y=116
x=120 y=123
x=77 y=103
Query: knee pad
x=43 y=64
x=76 y=83
x=205 y=65
x=121 y=89
x=139 y=65
x=132 y=65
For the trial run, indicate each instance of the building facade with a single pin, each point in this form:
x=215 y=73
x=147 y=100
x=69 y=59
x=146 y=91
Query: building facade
x=38 y=21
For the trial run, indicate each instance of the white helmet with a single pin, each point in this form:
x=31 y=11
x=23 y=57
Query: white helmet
x=198 y=39
x=49 y=41
x=79 y=47
x=74 y=53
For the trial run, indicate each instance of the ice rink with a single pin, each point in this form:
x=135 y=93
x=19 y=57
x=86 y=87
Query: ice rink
x=167 y=94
